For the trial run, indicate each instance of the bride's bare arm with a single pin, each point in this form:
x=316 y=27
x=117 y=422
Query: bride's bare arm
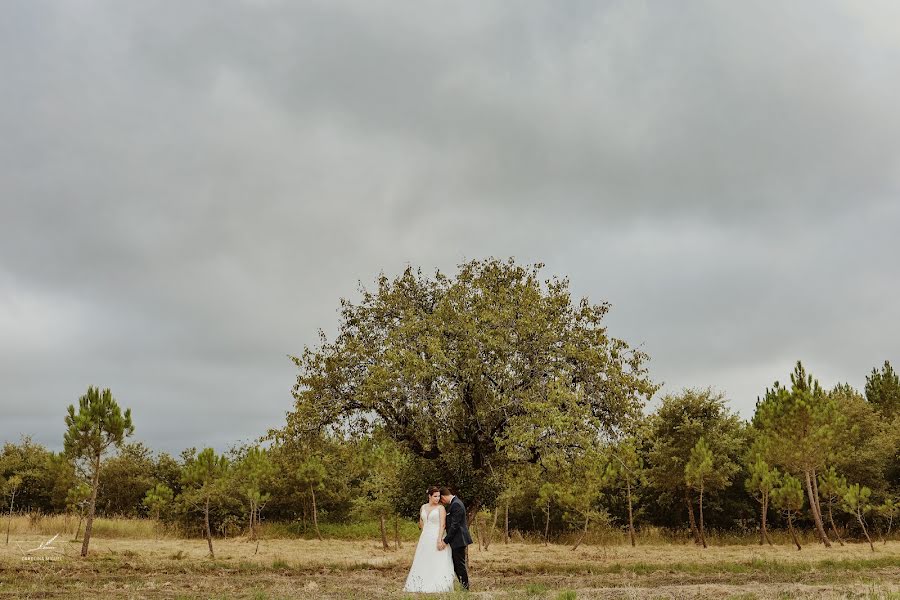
x=421 y=516
x=442 y=513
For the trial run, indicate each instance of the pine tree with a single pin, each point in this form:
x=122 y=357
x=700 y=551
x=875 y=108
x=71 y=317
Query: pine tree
x=98 y=426
x=157 y=500
x=832 y=487
x=787 y=497
x=760 y=484
x=856 y=501
x=798 y=426
x=204 y=473
x=883 y=390
x=697 y=473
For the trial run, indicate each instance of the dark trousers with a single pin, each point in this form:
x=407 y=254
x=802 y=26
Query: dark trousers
x=459 y=565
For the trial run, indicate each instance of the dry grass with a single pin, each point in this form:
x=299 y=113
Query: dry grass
x=282 y=568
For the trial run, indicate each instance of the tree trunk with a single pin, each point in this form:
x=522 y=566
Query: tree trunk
x=208 y=530
x=791 y=529
x=764 y=533
x=12 y=500
x=315 y=516
x=479 y=531
x=252 y=515
x=305 y=517
x=630 y=514
x=547 y=526
x=506 y=526
x=488 y=540
x=702 y=533
x=863 y=525
x=397 y=531
x=583 y=533
x=815 y=483
x=831 y=522
x=820 y=527
x=89 y=526
x=80 y=520
x=890 y=525
x=690 y=507
x=384 y=543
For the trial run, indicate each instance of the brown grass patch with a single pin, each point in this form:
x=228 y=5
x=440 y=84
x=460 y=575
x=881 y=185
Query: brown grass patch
x=178 y=568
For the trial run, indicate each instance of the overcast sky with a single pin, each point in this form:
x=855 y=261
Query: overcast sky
x=188 y=188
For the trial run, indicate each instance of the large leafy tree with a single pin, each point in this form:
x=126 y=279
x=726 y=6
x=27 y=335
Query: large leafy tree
x=98 y=426
x=798 y=426
x=475 y=372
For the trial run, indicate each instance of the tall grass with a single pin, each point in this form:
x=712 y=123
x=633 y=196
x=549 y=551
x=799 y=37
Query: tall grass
x=104 y=527
x=365 y=530
x=131 y=528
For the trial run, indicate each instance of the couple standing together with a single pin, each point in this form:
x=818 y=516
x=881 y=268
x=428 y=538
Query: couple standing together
x=441 y=553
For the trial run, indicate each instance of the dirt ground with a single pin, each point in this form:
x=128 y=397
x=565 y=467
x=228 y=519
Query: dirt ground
x=276 y=569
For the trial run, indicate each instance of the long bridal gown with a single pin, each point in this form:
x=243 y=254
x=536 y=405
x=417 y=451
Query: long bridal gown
x=432 y=569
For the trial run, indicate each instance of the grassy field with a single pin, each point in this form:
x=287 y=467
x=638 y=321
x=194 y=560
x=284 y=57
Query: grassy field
x=141 y=567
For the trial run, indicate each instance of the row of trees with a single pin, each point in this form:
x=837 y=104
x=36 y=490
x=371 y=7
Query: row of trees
x=502 y=386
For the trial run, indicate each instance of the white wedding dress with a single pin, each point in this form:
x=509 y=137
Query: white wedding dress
x=432 y=569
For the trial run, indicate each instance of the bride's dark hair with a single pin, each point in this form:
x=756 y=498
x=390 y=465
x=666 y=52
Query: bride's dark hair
x=433 y=489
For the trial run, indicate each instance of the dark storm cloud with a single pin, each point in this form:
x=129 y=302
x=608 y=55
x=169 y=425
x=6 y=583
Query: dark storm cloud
x=188 y=188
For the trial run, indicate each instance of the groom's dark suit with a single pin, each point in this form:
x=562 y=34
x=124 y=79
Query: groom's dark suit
x=457 y=537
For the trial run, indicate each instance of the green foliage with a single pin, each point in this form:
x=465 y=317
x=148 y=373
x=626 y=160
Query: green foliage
x=857 y=499
x=787 y=495
x=673 y=433
x=45 y=476
x=383 y=462
x=699 y=469
x=487 y=369
x=832 y=487
x=864 y=441
x=98 y=425
x=798 y=424
x=125 y=479
x=158 y=499
x=77 y=497
x=883 y=390
x=205 y=471
x=762 y=480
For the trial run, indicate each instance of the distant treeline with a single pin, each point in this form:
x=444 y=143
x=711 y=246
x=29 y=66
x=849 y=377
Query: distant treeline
x=501 y=386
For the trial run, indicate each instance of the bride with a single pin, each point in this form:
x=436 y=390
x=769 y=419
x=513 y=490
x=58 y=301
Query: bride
x=432 y=567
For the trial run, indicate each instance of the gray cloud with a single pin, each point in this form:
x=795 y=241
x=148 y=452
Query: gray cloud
x=188 y=188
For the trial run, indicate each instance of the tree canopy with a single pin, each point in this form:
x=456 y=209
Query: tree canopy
x=489 y=368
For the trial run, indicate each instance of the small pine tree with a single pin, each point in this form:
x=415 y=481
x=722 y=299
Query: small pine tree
x=158 y=499
x=856 y=501
x=760 y=484
x=787 y=496
x=697 y=472
x=98 y=426
x=205 y=473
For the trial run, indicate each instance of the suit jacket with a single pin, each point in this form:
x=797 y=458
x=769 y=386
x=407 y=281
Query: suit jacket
x=457 y=533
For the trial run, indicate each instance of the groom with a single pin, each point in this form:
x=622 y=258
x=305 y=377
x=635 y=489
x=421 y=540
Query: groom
x=457 y=536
